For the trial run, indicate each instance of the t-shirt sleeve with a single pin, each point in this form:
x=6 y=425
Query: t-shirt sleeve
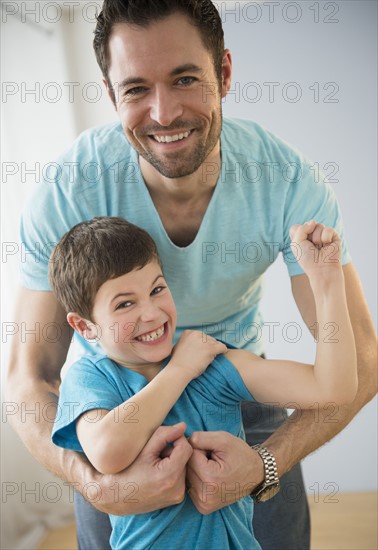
x=65 y=196
x=310 y=197
x=84 y=388
x=225 y=383
x=48 y=215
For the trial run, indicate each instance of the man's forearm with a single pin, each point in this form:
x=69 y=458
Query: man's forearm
x=31 y=415
x=149 y=484
x=305 y=431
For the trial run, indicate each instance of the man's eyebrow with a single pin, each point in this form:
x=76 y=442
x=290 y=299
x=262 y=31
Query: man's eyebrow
x=131 y=80
x=124 y=294
x=188 y=67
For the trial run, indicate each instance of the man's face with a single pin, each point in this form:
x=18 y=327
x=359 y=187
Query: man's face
x=167 y=93
x=135 y=318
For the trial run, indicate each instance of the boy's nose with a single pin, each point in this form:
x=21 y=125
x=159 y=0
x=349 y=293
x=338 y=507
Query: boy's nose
x=149 y=313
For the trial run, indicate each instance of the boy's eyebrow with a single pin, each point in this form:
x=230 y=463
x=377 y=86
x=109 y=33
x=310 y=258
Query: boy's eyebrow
x=188 y=67
x=131 y=293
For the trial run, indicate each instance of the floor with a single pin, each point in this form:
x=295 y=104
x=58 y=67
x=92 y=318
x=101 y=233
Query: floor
x=345 y=522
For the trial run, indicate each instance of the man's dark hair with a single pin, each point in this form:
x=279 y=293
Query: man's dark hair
x=93 y=252
x=202 y=14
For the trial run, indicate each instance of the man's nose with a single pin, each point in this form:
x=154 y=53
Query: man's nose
x=166 y=107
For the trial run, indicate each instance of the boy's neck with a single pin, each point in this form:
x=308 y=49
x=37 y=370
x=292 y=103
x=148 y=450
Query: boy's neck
x=148 y=370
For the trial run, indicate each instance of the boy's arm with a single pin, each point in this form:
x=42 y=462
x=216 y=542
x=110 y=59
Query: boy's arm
x=333 y=378
x=117 y=437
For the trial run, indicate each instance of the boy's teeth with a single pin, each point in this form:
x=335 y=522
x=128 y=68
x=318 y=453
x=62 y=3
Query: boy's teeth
x=154 y=335
x=169 y=139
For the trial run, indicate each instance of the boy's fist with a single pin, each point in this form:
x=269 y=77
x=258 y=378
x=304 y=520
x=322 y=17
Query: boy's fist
x=195 y=351
x=316 y=247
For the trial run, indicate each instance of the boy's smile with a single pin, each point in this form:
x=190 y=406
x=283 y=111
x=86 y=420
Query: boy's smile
x=135 y=319
x=155 y=336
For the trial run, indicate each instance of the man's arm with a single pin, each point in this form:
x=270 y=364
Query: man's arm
x=33 y=385
x=234 y=464
x=295 y=439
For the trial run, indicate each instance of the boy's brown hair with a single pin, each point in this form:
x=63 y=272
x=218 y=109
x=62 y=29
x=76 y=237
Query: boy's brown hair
x=93 y=252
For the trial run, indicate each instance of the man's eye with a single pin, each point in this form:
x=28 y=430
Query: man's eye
x=135 y=91
x=186 y=80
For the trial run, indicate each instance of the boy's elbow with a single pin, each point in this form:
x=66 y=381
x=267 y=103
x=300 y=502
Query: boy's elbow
x=346 y=398
x=107 y=460
x=342 y=395
x=350 y=392
x=107 y=469
x=107 y=466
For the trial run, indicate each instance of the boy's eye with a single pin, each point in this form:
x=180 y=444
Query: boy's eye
x=158 y=289
x=123 y=305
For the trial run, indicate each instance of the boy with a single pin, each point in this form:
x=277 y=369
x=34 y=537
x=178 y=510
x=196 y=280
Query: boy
x=107 y=274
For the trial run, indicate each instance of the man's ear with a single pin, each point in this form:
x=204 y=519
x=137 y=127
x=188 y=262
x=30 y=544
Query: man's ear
x=85 y=328
x=226 y=72
x=111 y=93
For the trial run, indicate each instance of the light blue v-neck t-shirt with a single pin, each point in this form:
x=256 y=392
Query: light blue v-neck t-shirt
x=264 y=187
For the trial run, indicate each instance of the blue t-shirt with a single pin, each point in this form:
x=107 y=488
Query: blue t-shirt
x=210 y=402
x=264 y=187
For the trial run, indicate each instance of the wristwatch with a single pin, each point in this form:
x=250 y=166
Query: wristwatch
x=271 y=484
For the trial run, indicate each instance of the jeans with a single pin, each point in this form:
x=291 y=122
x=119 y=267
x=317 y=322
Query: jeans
x=282 y=523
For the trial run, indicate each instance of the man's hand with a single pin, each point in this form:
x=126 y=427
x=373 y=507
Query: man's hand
x=222 y=470
x=151 y=482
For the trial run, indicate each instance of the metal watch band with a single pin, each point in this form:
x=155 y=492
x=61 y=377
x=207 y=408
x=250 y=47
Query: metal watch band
x=269 y=463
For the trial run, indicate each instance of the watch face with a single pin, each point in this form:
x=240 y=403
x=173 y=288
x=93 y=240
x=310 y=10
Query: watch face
x=268 y=492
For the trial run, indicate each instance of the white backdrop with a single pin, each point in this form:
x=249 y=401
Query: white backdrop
x=304 y=70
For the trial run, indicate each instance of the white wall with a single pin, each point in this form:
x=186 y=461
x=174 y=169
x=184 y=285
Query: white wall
x=270 y=49
x=33 y=131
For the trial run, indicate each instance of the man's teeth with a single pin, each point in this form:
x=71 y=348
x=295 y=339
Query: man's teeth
x=169 y=139
x=154 y=335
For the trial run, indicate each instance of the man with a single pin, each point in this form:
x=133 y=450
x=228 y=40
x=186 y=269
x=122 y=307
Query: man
x=166 y=71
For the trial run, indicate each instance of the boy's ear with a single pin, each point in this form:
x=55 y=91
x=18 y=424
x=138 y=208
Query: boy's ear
x=85 y=328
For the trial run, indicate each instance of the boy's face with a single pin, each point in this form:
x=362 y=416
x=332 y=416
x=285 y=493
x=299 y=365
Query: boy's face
x=136 y=317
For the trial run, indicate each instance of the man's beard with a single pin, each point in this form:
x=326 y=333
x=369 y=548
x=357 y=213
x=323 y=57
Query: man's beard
x=177 y=165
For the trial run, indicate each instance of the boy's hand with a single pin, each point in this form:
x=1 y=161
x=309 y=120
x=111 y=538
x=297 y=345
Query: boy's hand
x=317 y=248
x=195 y=351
